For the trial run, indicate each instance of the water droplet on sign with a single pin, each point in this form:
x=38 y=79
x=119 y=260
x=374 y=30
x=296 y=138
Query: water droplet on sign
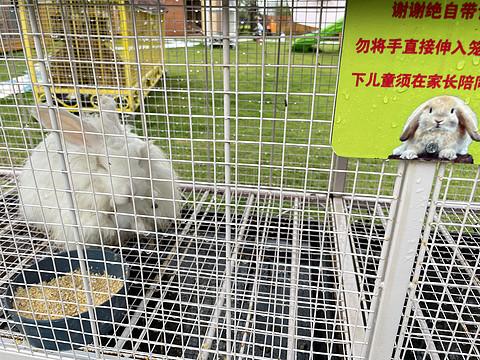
x=476 y=61
x=460 y=65
x=385 y=100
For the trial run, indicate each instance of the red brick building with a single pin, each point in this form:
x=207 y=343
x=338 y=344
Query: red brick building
x=181 y=16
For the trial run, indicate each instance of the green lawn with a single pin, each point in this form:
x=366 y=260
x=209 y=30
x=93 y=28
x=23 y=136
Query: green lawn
x=261 y=123
x=13 y=142
x=281 y=108
x=191 y=120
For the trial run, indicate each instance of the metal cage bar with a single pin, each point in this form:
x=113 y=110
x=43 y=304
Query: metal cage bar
x=273 y=246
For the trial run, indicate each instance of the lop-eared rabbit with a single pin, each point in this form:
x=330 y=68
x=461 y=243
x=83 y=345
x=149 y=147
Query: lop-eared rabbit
x=443 y=125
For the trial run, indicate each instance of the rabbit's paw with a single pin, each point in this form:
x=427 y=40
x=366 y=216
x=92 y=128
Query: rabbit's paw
x=398 y=151
x=164 y=224
x=409 y=155
x=107 y=103
x=57 y=248
x=448 y=154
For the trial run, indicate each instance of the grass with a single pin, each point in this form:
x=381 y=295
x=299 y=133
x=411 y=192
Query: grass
x=281 y=109
x=14 y=142
x=269 y=128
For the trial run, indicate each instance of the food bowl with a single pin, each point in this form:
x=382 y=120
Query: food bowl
x=71 y=331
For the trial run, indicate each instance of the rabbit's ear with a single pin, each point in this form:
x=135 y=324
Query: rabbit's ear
x=107 y=103
x=412 y=123
x=73 y=128
x=109 y=118
x=468 y=120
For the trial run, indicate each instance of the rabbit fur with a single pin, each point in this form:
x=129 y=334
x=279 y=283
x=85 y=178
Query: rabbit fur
x=445 y=121
x=109 y=187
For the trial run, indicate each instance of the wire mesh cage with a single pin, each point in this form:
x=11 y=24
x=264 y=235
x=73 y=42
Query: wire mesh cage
x=207 y=216
x=92 y=49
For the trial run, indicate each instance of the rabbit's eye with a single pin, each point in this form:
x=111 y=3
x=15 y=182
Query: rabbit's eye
x=430 y=110
x=452 y=111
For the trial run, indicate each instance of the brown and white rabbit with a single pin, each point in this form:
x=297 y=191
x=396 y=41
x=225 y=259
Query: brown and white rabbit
x=123 y=184
x=443 y=125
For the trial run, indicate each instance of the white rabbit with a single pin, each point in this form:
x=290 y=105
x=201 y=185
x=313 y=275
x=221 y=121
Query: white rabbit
x=111 y=184
x=443 y=125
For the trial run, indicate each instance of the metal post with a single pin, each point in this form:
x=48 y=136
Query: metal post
x=422 y=254
x=407 y=223
x=346 y=257
x=339 y=176
x=207 y=103
x=294 y=270
x=275 y=99
x=226 y=125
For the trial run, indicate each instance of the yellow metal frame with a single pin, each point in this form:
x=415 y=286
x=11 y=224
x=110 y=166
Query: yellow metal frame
x=149 y=79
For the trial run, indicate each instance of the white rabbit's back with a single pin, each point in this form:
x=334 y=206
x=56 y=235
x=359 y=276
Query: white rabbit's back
x=44 y=197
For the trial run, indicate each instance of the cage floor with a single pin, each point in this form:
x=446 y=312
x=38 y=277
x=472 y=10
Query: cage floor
x=177 y=303
x=177 y=297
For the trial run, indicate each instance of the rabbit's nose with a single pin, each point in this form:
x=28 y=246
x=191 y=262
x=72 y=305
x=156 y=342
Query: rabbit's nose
x=438 y=121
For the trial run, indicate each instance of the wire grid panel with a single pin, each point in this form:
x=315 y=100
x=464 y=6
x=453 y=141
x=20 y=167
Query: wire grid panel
x=78 y=33
x=279 y=246
x=441 y=314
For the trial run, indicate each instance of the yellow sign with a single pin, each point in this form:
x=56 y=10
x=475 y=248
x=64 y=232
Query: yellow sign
x=409 y=84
